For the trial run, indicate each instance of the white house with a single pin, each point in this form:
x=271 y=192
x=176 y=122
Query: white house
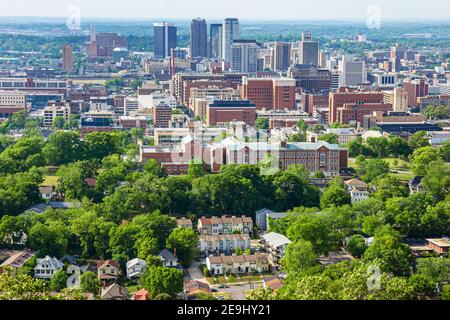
x=218 y=265
x=168 y=259
x=135 y=268
x=45 y=268
x=359 y=190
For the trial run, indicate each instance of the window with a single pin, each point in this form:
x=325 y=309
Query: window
x=323 y=159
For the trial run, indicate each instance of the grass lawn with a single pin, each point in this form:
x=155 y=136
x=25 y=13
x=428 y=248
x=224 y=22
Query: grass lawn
x=50 y=181
x=401 y=164
x=216 y=280
x=132 y=288
x=403 y=176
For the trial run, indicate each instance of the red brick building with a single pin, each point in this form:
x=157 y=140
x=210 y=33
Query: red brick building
x=355 y=112
x=415 y=89
x=162 y=115
x=269 y=94
x=339 y=99
x=311 y=101
x=225 y=111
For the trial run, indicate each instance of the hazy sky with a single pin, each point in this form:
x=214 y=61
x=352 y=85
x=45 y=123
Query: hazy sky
x=244 y=9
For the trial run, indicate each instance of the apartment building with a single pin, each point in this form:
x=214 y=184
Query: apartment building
x=225 y=225
x=226 y=243
x=219 y=265
x=54 y=111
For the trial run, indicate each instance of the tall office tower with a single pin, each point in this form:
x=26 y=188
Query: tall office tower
x=67 y=59
x=396 y=55
x=308 y=50
x=199 y=38
x=280 y=56
x=215 y=34
x=322 y=60
x=230 y=32
x=165 y=39
x=244 y=56
x=398 y=98
x=353 y=72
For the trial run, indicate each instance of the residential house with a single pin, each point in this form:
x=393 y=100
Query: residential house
x=218 y=265
x=136 y=268
x=47 y=192
x=184 y=223
x=275 y=244
x=45 y=268
x=108 y=271
x=168 y=259
x=225 y=225
x=226 y=243
x=359 y=190
x=114 y=292
x=263 y=217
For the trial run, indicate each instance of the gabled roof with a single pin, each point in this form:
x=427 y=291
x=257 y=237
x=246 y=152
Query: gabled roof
x=356 y=183
x=141 y=295
x=167 y=255
x=273 y=283
x=112 y=263
x=114 y=291
x=53 y=263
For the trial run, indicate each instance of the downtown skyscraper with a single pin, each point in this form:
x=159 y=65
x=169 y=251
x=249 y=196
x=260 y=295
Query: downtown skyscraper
x=199 y=38
x=230 y=32
x=215 y=41
x=165 y=39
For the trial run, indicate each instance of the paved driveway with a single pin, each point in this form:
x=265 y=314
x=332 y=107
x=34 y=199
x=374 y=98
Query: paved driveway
x=195 y=273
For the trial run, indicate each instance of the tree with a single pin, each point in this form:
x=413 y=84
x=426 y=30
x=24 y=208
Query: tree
x=292 y=189
x=122 y=241
x=49 y=239
x=90 y=283
x=197 y=168
x=445 y=151
x=335 y=195
x=379 y=146
x=59 y=281
x=22 y=155
x=445 y=293
x=357 y=245
x=153 y=167
x=160 y=280
x=418 y=140
x=331 y=138
x=437 y=112
x=437 y=178
x=181 y=240
x=317 y=287
x=374 y=168
x=310 y=227
x=262 y=123
x=300 y=256
x=58 y=122
x=423 y=285
x=63 y=147
x=356 y=147
x=22 y=287
x=421 y=158
x=389 y=253
x=99 y=145
x=398 y=147
x=387 y=187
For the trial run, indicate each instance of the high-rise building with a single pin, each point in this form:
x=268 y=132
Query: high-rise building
x=67 y=59
x=102 y=44
x=215 y=44
x=415 y=88
x=308 y=50
x=230 y=32
x=310 y=78
x=353 y=72
x=280 y=56
x=397 y=53
x=398 y=98
x=269 y=94
x=244 y=56
x=165 y=39
x=199 y=38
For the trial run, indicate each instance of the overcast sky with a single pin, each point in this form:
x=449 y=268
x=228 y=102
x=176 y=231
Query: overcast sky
x=243 y=9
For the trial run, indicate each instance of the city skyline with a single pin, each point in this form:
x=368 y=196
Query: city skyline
x=286 y=10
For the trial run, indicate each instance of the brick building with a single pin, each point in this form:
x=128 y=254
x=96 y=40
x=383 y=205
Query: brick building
x=415 y=89
x=225 y=111
x=162 y=115
x=355 y=113
x=339 y=99
x=269 y=94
